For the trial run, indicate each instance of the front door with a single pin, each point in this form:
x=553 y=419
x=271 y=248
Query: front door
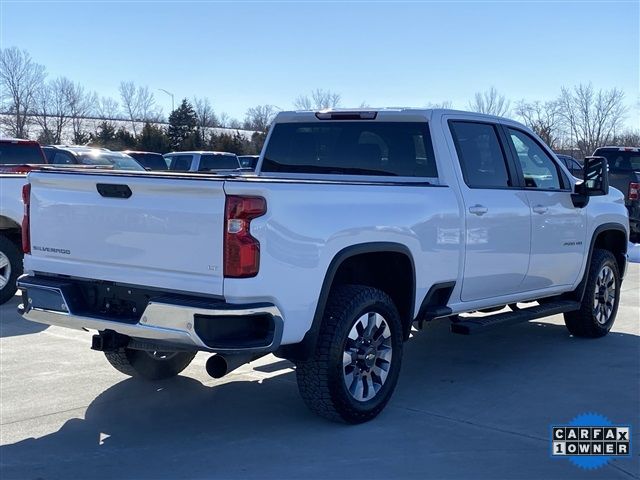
x=558 y=228
x=498 y=218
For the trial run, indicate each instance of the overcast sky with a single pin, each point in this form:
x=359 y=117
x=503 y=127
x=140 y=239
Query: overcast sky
x=242 y=54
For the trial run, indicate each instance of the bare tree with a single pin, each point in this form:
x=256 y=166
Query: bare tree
x=107 y=108
x=446 y=104
x=629 y=138
x=20 y=80
x=224 y=119
x=138 y=104
x=81 y=104
x=490 y=102
x=318 y=100
x=206 y=116
x=259 y=118
x=543 y=118
x=593 y=117
x=52 y=111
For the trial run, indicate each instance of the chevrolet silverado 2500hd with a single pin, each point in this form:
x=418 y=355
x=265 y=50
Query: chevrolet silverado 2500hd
x=355 y=225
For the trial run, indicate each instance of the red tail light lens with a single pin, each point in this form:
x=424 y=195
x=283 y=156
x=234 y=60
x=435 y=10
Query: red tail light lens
x=634 y=191
x=26 y=232
x=241 y=250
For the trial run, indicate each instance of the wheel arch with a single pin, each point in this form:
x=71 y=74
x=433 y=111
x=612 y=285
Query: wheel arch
x=356 y=264
x=608 y=236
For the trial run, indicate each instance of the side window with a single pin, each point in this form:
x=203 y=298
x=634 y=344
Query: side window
x=539 y=170
x=481 y=157
x=62 y=158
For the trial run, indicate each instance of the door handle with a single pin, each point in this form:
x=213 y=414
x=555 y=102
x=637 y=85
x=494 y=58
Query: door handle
x=540 y=209
x=478 y=210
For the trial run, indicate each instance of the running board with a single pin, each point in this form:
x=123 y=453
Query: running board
x=470 y=325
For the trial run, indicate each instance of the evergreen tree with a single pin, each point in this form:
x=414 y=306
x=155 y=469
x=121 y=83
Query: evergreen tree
x=153 y=138
x=104 y=136
x=182 y=126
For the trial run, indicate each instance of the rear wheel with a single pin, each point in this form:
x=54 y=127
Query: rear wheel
x=152 y=365
x=10 y=268
x=354 y=369
x=601 y=298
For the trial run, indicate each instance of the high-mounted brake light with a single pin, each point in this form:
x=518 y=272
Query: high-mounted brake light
x=26 y=231
x=241 y=250
x=634 y=191
x=16 y=168
x=370 y=115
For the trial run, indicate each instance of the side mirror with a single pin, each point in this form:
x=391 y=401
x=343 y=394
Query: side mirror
x=596 y=176
x=596 y=181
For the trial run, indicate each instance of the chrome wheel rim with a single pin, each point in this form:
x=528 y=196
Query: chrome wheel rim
x=366 y=359
x=604 y=295
x=5 y=270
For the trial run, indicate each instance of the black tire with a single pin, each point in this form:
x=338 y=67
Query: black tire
x=634 y=237
x=140 y=363
x=322 y=378
x=13 y=253
x=589 y=321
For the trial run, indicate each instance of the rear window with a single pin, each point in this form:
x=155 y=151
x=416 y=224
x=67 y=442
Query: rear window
x=154 y=161
x=621 y=161
x=20 y=153
x=181 y=163
x=210 y=162
x=353 y=148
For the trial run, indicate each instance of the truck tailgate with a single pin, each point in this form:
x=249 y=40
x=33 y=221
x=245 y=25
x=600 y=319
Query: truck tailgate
x=167 y=234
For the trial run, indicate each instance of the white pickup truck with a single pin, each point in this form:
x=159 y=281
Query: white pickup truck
x=355 y=225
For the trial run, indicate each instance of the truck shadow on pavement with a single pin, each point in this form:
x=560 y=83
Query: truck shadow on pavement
x=472 y=407
x=12 y=324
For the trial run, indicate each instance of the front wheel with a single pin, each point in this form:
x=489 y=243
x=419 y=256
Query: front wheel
x=354 y=369
x=152 y=365
x=600 y=300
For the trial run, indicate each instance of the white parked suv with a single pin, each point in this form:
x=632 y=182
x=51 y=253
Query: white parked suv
x=202 y=161
x=355 y=226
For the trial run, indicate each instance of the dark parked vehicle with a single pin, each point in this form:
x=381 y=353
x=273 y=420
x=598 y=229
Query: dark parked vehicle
x=572 y=164
x=624 y=174
x=16 y=155
x=95 y=157
x=149 y=160
x=248 y=161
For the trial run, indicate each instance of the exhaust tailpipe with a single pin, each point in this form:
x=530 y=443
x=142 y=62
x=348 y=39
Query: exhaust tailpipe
x=219 y=365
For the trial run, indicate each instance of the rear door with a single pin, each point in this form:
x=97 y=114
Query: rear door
x=558 y=227
x=134 y=229
x=498 y=223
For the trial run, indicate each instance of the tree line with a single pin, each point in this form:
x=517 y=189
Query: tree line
x=578 y=120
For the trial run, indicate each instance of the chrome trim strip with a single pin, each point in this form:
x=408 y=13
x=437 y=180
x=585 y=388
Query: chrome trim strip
x=160 y=321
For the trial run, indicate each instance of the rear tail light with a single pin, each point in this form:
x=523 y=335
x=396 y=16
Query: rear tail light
x=634 y=191
x=241 y=250
x=26 y=231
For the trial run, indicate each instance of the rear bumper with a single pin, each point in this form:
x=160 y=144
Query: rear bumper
x=168 y=321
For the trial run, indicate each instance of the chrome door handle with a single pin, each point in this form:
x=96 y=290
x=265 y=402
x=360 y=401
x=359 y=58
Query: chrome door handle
x=540 y=209
x=478 y=210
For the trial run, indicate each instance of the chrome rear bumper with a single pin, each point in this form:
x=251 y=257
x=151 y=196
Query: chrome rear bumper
x=165 y=321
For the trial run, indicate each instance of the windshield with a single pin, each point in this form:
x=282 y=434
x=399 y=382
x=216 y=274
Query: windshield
x=20 y=153
x=351 y=148
x=621 y=161
x=119 y=161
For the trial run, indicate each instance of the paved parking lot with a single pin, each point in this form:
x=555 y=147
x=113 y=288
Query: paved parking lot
x=465 y=407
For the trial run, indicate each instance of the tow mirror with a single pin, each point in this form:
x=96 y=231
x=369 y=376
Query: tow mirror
x=596 y=181
x=596 y=176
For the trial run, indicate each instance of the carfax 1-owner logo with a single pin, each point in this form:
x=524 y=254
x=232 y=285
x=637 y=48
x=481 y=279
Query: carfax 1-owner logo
x=590 y=441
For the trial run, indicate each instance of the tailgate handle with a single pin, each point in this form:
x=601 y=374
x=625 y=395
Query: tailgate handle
x=114 y=190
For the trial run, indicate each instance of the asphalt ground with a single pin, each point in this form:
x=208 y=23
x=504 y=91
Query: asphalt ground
x=465 y=407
